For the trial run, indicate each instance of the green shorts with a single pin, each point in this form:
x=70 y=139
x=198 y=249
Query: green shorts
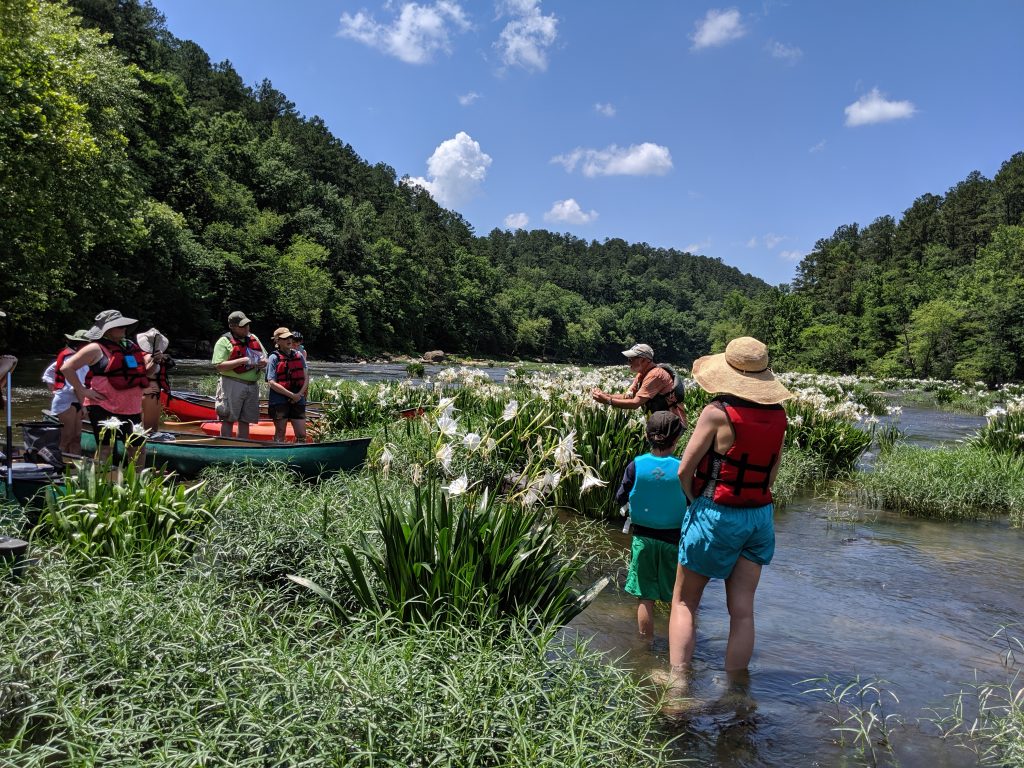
x=652 y=569
x=716 y=536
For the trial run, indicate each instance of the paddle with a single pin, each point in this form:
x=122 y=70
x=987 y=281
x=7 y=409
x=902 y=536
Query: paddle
x=9 y=444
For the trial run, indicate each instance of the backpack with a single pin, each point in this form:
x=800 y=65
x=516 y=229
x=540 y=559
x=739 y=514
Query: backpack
x=678 y=393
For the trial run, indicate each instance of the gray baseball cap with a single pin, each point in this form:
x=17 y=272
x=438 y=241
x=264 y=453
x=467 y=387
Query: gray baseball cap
x=639 y=350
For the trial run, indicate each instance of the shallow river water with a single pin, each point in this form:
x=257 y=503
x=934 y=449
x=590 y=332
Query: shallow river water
x=852 y=592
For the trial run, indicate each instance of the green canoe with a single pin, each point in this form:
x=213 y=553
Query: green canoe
x=191 y=454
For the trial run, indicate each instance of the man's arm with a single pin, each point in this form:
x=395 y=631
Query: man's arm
x=626 y=486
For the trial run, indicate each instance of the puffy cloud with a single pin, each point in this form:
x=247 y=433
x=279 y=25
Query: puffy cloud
x=698 y=247
x=414 y=37
x=517 y=221
x=718 y=28
x=817 y=147
x=608 y=110
x=525 y=40
x=468 y=98
x=791 y=255
x=569 y=211
x=457 y=169
x=645 y=159
x=875 y=108
x=788 y=53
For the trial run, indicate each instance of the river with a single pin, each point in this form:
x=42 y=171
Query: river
x=852 y=591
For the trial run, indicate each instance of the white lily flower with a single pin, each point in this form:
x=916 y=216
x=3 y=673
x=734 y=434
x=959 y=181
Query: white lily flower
x=490 y=444
x=510 y=410
x=444 y=456
x=112 y=423
x=138 y=429
x=447 y=426
x=471 y=441
x=386 y=457
x=566 y=449
x=447 y=406
x=590 y=480
x=458 y=486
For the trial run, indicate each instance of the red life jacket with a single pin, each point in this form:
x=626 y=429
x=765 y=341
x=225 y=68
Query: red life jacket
x=125 y=365
x=742 y=477
x=58 y=378
x=290 y=370
x=239 y=349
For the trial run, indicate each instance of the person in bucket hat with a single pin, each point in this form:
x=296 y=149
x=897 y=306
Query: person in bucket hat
x=727 y=471
x=154 y=345
x=113 y=398
x=655 y=387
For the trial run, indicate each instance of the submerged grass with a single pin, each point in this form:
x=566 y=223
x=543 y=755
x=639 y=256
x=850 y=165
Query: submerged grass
x=949 y=483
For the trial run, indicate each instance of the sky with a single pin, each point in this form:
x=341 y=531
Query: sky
x=743 y=132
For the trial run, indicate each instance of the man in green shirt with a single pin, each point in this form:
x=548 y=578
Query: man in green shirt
x=240 y=359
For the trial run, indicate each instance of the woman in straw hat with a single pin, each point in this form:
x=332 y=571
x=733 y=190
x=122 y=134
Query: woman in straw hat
x=727 y=471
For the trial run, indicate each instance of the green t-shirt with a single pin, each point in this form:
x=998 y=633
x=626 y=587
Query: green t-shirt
x=222 y=352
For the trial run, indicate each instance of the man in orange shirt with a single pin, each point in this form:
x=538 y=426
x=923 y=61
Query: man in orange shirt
x=653 y=388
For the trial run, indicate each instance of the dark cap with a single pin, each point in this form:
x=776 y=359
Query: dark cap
x=663 y=428
x=238 y=318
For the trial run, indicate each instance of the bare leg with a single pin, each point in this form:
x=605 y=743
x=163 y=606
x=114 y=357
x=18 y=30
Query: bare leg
x=739 y=594
x=70 y=420
x=280 y=429
x=225 y=428
x=151 y=410
x=243 y=430
x=299 y=427
x=645 y=618
x=682 y=627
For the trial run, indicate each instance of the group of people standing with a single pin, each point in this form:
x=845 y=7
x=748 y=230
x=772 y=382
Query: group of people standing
x=708 y=515
x=241 y=360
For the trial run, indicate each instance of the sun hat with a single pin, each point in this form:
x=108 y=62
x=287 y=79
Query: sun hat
x=639 y=350
x=742 y=370
x=109 y=318
x=283 y=333
x=238 y=318
x=81 y=334
x=152 y=341
x=663 y=428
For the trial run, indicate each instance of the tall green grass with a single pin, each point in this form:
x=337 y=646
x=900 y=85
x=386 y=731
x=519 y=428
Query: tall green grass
x=1004 y=432
x=949 y=483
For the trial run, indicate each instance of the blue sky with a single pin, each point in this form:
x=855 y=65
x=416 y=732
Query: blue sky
x=743 y=132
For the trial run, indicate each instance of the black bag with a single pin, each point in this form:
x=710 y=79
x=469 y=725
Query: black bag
x=42 y=443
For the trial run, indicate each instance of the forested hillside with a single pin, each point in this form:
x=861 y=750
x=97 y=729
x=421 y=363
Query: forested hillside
x=939 y=293
x=135 y=173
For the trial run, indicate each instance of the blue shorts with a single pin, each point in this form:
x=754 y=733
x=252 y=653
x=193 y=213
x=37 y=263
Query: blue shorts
x=716 y=536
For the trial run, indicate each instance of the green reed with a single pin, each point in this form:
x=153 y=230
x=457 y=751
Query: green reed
x=858 y=711
x=1004 y=432
x=948 y=483
x=837 y=442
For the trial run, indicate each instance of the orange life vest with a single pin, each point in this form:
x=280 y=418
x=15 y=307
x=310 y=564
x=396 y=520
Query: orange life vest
x=239 y=349
x=125 y=365
x=742 y=477
x=290 y=370
x=58 y=378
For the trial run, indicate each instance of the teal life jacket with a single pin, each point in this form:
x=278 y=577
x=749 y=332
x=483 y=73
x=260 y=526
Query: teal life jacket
x=657 y=499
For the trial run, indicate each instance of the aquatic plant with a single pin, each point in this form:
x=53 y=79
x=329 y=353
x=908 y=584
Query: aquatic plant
x=965 y=482
x=828 y=434
x=144 y=513
x=858 y=711
x=442 y=558
x=1003 y=431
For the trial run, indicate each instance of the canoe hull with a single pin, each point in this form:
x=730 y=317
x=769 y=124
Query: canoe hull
x=309 y=459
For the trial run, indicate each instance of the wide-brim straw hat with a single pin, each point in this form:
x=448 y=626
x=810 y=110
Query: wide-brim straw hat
x=742 y=370
x=152 y=341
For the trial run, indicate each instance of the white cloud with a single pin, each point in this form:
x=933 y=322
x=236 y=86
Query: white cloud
x=718 y=28
x=788 y=53
x=817 y=147
x=608 y=110
x=769 y=241
x=698 y=247
x=645 y=159
x=570 y=212
x=752 y=242
x=457 y=169
x=414 y=37
x=468 y=98
x=517 y=221
x=875 y=108
x=525 y=40
x=791 y=255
